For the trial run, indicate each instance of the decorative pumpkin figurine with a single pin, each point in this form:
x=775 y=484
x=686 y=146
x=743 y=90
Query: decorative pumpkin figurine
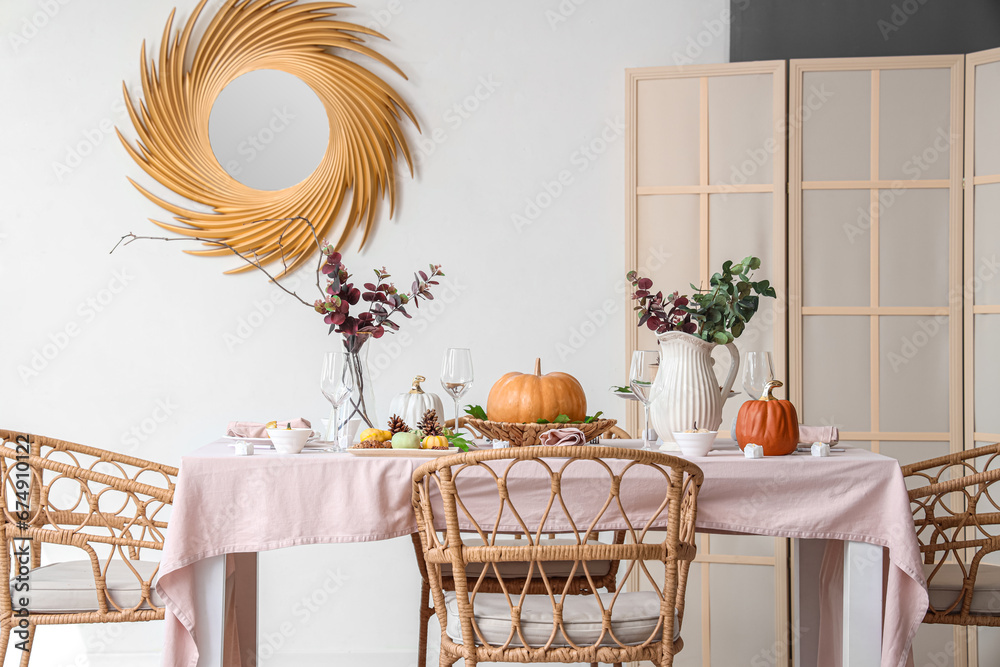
x=522 y=398
x=411 y=405
x=769 y=422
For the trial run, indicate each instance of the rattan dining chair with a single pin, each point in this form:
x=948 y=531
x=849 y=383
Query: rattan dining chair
x=107 y=506
x=604 y=573
x=956 y=520
x=552 y=610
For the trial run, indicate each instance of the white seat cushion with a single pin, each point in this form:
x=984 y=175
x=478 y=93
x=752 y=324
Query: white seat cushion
x=634 y=619
x=946 y=586
x=69 y=587
x=519 y=570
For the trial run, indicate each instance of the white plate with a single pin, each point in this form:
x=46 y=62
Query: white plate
x=411 y=453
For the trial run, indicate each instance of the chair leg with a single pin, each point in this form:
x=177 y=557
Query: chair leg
x=425 y=616
x=26 y=654
x=4 y=640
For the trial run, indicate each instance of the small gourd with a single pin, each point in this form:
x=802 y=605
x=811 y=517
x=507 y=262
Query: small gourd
x=406 y=440
x=433 y=441
x=769 y=422
x=411 y=405
x=375 y=434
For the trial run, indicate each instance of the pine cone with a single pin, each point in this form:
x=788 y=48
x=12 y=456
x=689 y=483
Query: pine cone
x=429 y=424
x=397 y=425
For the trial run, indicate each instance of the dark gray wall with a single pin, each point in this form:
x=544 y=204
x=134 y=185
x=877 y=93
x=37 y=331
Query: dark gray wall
x=782 y=29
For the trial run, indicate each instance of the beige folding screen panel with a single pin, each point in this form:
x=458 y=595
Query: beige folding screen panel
x=875 y=239
x=876 y=261
x=705 y=182
x=981 y=280
x=982 y=249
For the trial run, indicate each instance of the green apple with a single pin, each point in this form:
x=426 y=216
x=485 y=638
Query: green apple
x=405 y=441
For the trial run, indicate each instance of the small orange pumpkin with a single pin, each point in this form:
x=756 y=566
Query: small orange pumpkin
x=521 y=397
x=769 y=422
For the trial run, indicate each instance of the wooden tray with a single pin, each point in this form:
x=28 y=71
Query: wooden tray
x=405 y=453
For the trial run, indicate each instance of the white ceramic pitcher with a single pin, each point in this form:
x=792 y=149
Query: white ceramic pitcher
x=686 y=388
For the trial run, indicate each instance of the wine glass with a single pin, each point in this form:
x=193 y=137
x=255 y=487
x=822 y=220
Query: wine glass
x=757 y=372
x=640 y=378
x=456 y=375
x=336 y=383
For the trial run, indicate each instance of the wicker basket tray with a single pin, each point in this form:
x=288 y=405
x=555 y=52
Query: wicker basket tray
x=523 y=435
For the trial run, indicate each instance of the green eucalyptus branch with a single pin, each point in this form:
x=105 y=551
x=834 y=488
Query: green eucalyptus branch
x=718 y=313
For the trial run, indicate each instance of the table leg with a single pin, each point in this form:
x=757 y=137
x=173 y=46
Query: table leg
x=210 y=610
x=862 y=604
x=807 y=559
x=243 y=580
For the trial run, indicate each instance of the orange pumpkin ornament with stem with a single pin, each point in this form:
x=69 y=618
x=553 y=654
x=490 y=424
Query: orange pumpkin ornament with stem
x=528 y=397
x=769 y=422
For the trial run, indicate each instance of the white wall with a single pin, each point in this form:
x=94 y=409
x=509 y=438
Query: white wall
x=153 y=327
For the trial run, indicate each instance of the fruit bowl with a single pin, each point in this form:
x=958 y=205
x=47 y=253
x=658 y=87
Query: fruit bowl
x=527 y=434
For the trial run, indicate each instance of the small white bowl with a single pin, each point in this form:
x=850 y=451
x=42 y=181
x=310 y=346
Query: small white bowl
x=695 y=444
x=289 y=441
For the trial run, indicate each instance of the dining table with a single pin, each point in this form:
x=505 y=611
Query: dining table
x=857 y=569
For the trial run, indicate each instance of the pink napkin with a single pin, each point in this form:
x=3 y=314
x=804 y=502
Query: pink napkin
x=257 y=430
x=562 y=436
x=810 y=434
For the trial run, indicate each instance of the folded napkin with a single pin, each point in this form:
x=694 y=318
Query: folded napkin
x=257 y=430
x=827 y=434
x=562 y=436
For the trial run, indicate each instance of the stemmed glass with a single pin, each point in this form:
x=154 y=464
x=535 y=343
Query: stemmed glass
x=456 y=375
x=640 y=378
x=336 y=384
x=758 y=371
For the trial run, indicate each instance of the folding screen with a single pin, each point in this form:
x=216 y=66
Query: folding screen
x=705 y=182
x=893 y=296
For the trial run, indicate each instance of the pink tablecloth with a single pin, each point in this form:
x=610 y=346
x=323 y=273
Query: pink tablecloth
x=224 y=504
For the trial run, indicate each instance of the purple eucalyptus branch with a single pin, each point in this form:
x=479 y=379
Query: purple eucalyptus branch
x=339 y=294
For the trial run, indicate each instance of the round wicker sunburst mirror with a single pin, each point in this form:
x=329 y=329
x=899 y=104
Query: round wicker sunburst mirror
x=356 y=172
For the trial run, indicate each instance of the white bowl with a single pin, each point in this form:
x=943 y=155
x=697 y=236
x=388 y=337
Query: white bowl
x=695 y=444
x=289 y=441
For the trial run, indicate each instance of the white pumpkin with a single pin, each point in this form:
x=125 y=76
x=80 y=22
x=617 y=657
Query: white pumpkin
x=412 y=405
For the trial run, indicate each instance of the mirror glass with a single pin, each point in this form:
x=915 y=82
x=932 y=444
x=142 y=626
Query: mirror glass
x=268 y=129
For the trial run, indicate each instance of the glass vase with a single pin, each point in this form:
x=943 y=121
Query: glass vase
x=360 y=404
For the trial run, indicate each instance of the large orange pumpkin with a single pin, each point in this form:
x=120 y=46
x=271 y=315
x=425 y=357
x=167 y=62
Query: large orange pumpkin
x=521 y=397
x=769 y=422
